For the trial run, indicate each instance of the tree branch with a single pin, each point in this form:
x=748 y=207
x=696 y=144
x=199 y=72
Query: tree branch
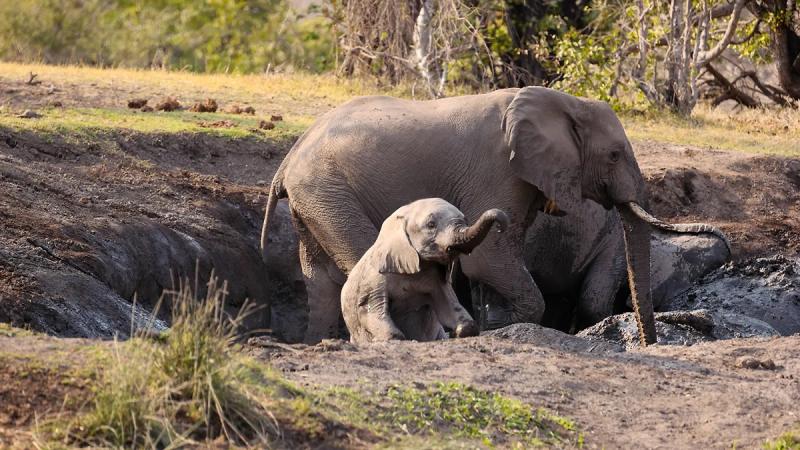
x=705 y=57
x=730 y=92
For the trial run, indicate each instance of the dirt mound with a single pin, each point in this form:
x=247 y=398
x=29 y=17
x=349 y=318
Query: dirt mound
x=754 y=199
x=679 y=191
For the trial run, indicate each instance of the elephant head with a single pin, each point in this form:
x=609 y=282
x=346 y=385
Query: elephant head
x=431 y=230
x=572 y=148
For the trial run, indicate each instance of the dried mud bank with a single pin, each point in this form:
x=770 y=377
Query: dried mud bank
x=89 y=227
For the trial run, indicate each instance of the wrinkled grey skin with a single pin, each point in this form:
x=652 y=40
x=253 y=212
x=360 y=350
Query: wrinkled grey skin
x=518 y=150
x=400 y=289
x=579 y=262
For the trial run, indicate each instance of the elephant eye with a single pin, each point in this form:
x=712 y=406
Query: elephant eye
x=615 y=155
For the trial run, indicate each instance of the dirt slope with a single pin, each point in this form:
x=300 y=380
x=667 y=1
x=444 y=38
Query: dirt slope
x=666 y=397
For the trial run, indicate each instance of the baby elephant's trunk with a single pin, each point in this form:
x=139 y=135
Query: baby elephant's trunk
x=465 y=239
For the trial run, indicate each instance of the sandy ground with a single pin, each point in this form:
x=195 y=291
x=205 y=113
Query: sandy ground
x=664 y=397
x=91 y=219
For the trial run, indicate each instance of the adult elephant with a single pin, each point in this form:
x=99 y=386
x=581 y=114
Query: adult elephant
x=519 y=150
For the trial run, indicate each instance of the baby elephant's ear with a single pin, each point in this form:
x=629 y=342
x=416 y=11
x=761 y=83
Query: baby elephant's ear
x=395 y=252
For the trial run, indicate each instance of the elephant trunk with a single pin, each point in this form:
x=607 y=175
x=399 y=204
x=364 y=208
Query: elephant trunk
x=637 y=253
x=693 y=228
x=465 y=239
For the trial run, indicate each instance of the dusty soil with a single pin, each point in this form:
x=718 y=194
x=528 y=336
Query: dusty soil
x=87 y=226
x=661 y=397
x=38 y=379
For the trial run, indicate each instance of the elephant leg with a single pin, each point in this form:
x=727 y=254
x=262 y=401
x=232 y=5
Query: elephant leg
x=451 y=314
x=323 y=292
x=516 y=297
x=335 y=217
x=420 y=325
x=600 y=285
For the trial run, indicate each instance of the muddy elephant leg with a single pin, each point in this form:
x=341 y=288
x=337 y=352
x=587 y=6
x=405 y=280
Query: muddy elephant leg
x=600 y=286
x=322 y=289
x=500 y=266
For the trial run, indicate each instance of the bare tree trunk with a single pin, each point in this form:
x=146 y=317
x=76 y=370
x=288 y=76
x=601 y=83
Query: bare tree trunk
x=786 y=51
x=678 y=93
x=640 y=69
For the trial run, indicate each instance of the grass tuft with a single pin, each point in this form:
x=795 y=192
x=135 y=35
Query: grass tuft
x=787 y=441
x=187 y=387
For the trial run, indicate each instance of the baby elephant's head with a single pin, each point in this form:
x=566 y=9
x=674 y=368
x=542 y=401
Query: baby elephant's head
x=432 y=229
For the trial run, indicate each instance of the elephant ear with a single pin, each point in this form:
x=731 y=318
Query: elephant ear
x=396 y=253
x=542 y=130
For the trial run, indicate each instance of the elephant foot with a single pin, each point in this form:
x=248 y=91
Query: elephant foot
x=466 y=329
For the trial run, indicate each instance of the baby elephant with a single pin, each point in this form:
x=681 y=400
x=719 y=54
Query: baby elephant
x=399 y=289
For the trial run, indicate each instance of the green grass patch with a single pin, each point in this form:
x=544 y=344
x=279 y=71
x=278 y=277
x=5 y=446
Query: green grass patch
x=93 y=122
x=455 y=413
x=787 y=441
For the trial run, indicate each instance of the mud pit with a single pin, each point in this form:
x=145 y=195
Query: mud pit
x=87 y=226
x=85 y=229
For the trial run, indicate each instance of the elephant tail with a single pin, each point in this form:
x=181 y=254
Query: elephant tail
x=691 y=228
x=276 y=192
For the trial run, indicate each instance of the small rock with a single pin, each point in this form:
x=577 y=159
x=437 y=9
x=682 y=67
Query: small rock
x=276 y=118
x=208 y=106
x=249 y=110
x=168 y=104
x=333 y=345
x=748 y=362
x=266 y=125
x=28 y=114
x=768 y=364
x=217 y=124
x=137 y=103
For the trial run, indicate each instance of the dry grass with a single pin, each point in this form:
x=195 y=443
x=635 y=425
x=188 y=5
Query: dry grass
x=300 y=98
x=773 y=131
x=186 y=387
x=298 y=93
